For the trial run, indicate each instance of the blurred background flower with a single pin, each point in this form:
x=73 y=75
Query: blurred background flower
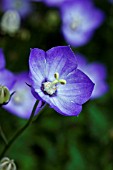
x=13 y=13
x=79 y=21
x=97 y=73
x=22 y=102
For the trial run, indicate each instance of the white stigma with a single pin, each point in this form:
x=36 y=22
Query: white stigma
x=50 y=87
x=17 y=99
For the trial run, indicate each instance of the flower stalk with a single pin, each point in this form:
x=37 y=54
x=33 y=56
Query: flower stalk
x=20 y=131
x=3 y=135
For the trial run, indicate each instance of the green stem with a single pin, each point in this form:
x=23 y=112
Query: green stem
x=3 y=136
x=20 y=131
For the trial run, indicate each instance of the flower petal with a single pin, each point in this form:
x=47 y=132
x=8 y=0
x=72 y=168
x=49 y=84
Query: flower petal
x=60 y=59
x=76 y=38
x=82 y=61
x=2 y=59
x=78 y=88
x=7 y=78
x=96 y=71
x=64 y=107
x=71 y=96
x=22 y=102
x=37 y=65
x=100 y=89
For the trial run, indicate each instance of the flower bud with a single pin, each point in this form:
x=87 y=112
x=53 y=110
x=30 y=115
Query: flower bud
x=10 y=22
x=4 y=94
x=7 y=164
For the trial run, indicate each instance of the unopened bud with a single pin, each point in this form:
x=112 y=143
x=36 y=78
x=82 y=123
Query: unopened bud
x=4 y=94
x=10 y=22
x=7 y=164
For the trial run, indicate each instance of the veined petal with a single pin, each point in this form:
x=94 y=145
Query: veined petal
x=2 y=59
x=60 y=59
x=78 y=88
x=64 y=107
x=37 y=65
x=7 y=78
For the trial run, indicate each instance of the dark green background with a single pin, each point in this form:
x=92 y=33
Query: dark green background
x=55 y=142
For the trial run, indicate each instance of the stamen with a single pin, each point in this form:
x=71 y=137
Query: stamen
x=62 y=81
x=51 y=87
x=56 y=75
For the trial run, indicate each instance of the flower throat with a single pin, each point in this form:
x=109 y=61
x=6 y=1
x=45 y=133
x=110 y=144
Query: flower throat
x=51 y=87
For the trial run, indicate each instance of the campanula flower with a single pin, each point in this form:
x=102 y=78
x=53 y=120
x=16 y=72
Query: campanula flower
x=56 y=80
x=97 y=73
x=23 y=7
x=80 y=18
x=22 y=101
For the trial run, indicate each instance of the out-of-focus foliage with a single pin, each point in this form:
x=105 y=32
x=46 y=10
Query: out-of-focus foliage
x=54 y=141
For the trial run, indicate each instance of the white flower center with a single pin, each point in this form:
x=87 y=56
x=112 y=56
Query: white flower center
x=75 y=24
x=19 y=97
x=50 y=87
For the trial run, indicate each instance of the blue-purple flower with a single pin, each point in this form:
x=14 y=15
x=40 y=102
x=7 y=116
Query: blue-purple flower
x=80 y=18
x=22 y=101
x=23 y=7
x=97 y=73
x=56 y=80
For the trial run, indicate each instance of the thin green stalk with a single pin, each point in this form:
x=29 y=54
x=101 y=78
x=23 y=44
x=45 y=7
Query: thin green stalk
x=3 y=136
x=20 y=131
